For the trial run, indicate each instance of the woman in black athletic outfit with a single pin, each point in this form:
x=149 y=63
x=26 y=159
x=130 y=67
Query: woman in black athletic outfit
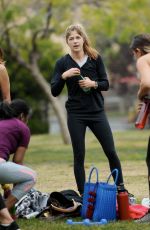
x=84 y=74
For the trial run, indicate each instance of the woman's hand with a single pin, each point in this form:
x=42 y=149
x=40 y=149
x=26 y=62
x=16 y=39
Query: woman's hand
x=87 y=83
x=139 y=106
x=70 y=73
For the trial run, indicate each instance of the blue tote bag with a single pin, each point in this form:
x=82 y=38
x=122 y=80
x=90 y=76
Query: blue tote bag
x=99 y=199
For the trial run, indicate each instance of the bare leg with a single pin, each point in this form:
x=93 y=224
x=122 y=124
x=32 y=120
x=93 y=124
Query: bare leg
x=10 y=202
x=5 y=217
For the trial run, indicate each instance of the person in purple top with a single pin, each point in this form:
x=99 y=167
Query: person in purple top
x=6 y=221
x=14 y=139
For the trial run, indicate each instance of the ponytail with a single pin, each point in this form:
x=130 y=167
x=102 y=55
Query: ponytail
x=15 y=109
x=19 y=107
x=142 y=42
x=6 y=112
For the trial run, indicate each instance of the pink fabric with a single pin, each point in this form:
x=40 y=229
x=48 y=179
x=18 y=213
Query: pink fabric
x=2 y=160
x=28 y=172
x=137 y=211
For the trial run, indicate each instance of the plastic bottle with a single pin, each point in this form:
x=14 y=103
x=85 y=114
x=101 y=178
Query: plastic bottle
x=86 y=90
x=32 y=215
x=143 y=114
x=13 y=212
x=123 y=205
x=7 y=190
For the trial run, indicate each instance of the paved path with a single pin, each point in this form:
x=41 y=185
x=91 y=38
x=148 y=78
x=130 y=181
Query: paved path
x=120 y=124
x=116 y=123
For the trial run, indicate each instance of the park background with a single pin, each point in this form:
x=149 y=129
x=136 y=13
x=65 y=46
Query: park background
x=32 y=37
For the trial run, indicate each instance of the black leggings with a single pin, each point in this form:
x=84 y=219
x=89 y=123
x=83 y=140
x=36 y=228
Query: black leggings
x=2 y=204
x=100 y=127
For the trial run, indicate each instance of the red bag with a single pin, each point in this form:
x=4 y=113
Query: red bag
x=137 y=211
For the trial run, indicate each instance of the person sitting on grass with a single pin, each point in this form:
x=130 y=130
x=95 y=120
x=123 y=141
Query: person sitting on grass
x=14 y=139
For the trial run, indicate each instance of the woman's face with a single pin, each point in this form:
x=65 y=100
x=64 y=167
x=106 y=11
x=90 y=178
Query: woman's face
x=75 y=42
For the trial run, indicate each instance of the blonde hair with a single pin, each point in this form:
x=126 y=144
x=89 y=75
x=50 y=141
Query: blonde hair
x=142 y=42
x=1 y=57
x=91 y=52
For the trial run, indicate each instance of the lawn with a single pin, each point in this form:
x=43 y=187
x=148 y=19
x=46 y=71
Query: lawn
x=53 y=162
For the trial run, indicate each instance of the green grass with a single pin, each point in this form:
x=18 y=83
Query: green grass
x=61 y=225
x=130 y=145
x=53 y=162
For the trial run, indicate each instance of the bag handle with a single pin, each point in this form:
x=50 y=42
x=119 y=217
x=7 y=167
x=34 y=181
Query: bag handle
x=90 y=175
x=116 y=178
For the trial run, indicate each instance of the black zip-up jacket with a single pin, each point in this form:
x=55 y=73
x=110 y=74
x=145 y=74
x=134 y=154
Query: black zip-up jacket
x=78 y=100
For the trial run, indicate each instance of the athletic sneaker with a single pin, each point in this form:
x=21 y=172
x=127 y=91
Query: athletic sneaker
x=131 y=197
x=129 y=194
x=12 y=226
x=144 y=219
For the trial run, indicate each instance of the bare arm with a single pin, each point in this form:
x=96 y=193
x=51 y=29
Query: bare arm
x=4 y=83
x=19 y=155
x=143 y=68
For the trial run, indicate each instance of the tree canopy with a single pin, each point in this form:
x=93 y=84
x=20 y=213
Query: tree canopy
x=31 y=35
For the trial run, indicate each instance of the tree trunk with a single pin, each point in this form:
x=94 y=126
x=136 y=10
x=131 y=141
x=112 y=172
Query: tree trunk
x=54 y=101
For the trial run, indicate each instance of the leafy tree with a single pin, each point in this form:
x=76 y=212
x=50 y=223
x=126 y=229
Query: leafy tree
x=27 y=35
x=112 y=25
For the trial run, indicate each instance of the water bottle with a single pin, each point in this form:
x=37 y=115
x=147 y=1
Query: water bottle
x=143 y=114
x=13 y=212
x=123 y=205
x=7 y=190
x=86 y=90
